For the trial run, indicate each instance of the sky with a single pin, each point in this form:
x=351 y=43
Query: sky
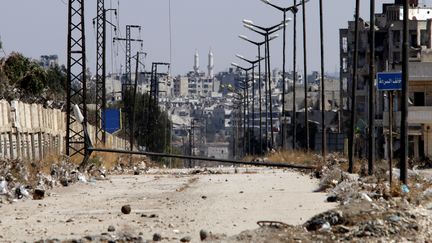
x=39 y=27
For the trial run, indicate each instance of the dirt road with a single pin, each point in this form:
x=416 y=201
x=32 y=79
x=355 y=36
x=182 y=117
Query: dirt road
x=174 y=205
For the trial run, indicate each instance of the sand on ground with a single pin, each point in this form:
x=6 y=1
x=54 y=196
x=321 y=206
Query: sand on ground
x=171 y=203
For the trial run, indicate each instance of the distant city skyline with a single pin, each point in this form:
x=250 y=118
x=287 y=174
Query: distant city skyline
x=40 y=28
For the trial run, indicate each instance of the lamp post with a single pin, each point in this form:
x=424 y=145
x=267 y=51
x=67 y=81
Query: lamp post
x=284 y=10
x=241 y=100
x=253 y=63
x=266 y=32
x=259 y=44
x=246 y=95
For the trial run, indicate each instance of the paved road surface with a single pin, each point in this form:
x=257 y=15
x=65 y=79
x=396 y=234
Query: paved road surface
x=182 y=204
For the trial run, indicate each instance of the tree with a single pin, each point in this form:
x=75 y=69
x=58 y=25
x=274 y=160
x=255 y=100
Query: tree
x=152 y=125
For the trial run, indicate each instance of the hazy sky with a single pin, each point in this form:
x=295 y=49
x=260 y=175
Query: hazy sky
x=39 y=27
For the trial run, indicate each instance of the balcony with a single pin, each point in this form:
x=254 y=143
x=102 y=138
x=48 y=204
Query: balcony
x=416 y=115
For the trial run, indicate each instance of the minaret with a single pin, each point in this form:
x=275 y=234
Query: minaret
x=210 y=64
x=196 y=61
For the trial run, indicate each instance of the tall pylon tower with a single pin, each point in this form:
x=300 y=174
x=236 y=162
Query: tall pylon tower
x=76 y=79
x=100 y=23
x=100 y=70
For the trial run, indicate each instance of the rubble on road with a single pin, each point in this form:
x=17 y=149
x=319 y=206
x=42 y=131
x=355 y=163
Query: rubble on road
x=369 y=209
x=21 y=179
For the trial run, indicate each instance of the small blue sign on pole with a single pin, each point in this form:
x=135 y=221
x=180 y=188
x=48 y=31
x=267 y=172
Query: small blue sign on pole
x=389 y=81
x=111 y=120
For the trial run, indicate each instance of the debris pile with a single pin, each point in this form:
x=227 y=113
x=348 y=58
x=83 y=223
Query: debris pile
x=369 y=208
x=21 y=180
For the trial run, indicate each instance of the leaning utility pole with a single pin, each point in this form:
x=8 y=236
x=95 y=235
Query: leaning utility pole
x=101 y=69
x=76 y=87
x=127 y=85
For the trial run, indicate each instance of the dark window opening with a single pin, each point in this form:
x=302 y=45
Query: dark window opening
x=419 y=98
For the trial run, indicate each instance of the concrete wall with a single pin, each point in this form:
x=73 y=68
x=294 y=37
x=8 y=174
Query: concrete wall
x=29 y=131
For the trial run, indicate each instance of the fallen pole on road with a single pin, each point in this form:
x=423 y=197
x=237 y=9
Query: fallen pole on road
x=227 y=161
x=90 y=149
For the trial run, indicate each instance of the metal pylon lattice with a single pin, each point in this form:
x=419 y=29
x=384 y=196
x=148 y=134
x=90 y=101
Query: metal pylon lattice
x=76 y=79
x=100 y=70
x=127 y=86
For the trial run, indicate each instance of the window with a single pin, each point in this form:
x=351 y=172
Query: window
x=424 y=38
x=396 y=38
x=419 y=98
x=396 y=57
x=345 y=44
x=344 y=64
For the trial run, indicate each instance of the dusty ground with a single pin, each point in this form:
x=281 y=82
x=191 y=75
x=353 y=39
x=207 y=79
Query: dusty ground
x=174 y=205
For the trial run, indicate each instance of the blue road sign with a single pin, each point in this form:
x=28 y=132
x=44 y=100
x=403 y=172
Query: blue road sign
x=111 y=120
x=389 y=81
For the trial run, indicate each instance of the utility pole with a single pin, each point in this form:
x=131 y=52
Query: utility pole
x=354 y=91
x=371 y=157
x=294 y=112
x=100 y=22
x=133 y=108
x=154 y=95
x=127 y=85
x=76 y=88
x=266 y=32
x=284 y=10
x=270 y=91
x=404 y=104
x=323 y=101
x=305 y=76
x=253 y=63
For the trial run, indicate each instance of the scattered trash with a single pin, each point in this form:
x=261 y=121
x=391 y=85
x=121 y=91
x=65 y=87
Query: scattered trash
x=3 y=186
x=405 y=189
x=325 y=227
x=364 y=196
x=82 y=178
x=21 y=192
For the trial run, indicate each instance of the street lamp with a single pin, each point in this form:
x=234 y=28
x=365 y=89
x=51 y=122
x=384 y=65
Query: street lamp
x=284 y=10
x=266 y=32
x=240 y=100
x=259 y=44
x=253 y=63
x=246 y=95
